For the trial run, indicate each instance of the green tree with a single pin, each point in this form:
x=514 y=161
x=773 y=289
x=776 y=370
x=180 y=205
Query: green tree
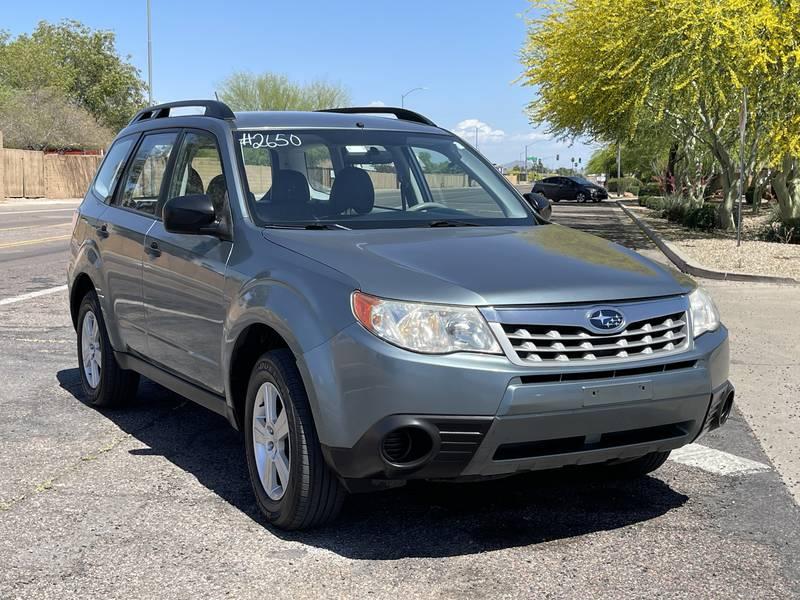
x=44 y=119
x=270 y=91
x=80 y=63
x=676 y=65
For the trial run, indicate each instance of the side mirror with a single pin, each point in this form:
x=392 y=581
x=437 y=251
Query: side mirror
x=540 y=204
x=193 y=214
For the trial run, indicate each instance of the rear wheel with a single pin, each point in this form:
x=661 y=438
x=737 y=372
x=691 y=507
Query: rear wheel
x=104 y=382
x=293 y=485
x=638 y=467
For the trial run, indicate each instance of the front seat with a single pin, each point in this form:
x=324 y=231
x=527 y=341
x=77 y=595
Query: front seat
x=289 y=197
x=195 y=183
x=352 y=190
x=216 y=192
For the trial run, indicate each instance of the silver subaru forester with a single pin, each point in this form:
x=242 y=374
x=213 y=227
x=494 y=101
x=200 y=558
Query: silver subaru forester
x=366 y=298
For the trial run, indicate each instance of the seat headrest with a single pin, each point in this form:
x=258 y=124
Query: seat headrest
x=290 y=188
x=216 y=191
x=195 y=183
x=352 y=189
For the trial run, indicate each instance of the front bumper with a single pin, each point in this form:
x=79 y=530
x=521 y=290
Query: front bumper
x=486 y=416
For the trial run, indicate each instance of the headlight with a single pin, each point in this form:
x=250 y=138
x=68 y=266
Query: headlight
x=427 y=328
x=705 y=316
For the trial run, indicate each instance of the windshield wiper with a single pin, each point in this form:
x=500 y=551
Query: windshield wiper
x=446 y=223
x=313 y=226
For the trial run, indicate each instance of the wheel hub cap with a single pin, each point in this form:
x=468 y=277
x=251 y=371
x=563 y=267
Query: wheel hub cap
x=91 y=352
x=271 y=441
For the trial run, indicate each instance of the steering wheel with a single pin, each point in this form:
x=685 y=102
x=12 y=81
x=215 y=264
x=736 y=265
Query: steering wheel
x=426 y=206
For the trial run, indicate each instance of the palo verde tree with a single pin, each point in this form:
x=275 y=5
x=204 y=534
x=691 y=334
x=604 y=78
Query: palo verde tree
x=679 y=65
x=270 y=91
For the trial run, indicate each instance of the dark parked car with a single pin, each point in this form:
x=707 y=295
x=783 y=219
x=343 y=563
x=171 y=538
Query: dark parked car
x=570 y=188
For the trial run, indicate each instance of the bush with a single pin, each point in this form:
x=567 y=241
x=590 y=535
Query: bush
x=652 y=188
x=784 y=232
x=652 y=202
x=703 y=218
x=674 y=209
x=629 y=184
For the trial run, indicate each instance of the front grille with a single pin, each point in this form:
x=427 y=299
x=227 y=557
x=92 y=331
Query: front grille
x=543 y=344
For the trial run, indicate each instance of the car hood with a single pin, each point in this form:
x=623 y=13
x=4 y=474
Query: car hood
x=486 y=265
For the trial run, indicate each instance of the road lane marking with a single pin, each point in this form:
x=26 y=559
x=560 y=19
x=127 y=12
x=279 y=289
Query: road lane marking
x=716 y=461
x=30 y=212
x=34 y=226
x=29 y=295
x=38 y=241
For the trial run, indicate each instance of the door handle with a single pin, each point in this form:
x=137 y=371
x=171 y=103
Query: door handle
x=102 y=231
x=153 y=250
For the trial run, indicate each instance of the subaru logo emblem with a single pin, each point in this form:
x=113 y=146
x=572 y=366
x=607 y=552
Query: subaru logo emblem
x=606 y=319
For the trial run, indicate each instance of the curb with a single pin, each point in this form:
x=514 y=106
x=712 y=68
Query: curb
x=691 y=269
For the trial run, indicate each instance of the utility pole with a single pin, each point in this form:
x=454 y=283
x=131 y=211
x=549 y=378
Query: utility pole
x=476 y=137
x=619 y=168
x=149 y=57
x=742 y=139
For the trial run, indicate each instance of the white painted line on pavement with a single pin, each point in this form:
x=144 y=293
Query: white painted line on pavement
x=29 y=295
x=28 y=212
x=716 y=461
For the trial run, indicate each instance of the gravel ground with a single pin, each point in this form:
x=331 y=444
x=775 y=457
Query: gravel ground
x=718 y=251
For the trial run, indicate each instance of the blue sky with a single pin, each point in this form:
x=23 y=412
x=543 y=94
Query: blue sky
x=464 y=52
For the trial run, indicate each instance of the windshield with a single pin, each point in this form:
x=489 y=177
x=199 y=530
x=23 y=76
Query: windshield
x=372 y=179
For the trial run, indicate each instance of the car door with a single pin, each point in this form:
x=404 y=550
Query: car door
x=125 y=224
x=184 y=275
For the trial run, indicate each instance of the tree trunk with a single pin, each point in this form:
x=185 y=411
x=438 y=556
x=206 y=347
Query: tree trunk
x=786 y=183
x=669 y=176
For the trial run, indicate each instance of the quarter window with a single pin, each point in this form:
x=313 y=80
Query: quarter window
x=146 y=173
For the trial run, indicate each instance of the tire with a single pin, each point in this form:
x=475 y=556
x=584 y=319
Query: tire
x=581 y=197
x=104 y=382
x=313 y=495
x=638 y=467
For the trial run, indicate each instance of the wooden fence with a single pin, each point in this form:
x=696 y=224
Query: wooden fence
x=33 y=174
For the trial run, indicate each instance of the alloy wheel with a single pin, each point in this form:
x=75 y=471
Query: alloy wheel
x=91 y=349
x=271 y=441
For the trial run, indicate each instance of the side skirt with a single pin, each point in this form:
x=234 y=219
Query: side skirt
x=204 y=398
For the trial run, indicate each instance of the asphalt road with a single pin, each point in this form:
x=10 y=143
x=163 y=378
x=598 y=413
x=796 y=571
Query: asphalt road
x=153 y=501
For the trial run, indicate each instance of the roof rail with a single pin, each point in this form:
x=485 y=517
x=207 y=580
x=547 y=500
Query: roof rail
x=401 y=113
x=213 y=108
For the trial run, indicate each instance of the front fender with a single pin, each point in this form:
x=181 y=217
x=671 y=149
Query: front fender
x=305 y=302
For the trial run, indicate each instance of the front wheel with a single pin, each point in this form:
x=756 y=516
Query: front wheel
x=581 y=197
x=293 y=485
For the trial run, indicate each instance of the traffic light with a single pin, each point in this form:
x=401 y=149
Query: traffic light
x=557 y=158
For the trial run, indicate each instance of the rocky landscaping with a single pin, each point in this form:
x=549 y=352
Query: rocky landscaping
x=717 y=250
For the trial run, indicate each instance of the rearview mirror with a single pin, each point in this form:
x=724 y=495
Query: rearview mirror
x=192 y=214
x=540 y=204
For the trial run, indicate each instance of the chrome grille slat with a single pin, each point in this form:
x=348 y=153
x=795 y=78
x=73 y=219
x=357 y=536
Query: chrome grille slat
x=551 y=342
x=546 y=338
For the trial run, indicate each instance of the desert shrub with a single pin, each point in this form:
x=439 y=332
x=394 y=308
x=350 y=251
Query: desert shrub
x=628 y=184
x=674 y=208
x=652 y=188
x=778 y=230
x=703 y=217
x=652 y=202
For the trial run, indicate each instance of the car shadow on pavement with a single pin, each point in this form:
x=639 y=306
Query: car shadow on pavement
x=423 y=519
x=604 y=220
